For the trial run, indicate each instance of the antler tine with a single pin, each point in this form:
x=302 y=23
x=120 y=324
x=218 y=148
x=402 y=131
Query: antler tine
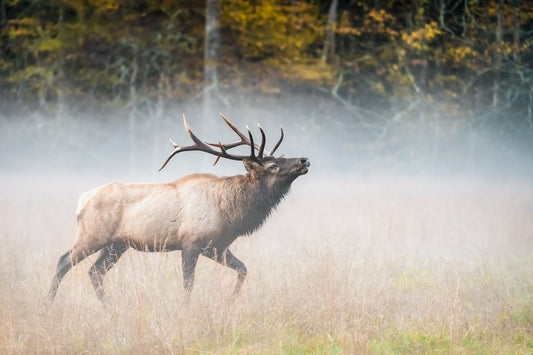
x=252 y=145
x=223 y=152
x=203 y=147
x=263 y=141
x=168 y=159
x=173 y=143
x=239 y=133
x=278 y=143
x=178 y=148
x=244 y=140
x=193 y=137
x=222 y=149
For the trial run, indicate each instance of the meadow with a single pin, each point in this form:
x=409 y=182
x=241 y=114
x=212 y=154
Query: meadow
x=346 y=265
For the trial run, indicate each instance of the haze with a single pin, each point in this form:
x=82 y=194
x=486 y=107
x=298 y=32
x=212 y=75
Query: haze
x=370 y=227
x=412 y=232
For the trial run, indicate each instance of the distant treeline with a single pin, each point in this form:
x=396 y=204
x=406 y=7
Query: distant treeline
x=422 y=62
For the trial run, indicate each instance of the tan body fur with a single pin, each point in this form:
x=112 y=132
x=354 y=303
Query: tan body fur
x=161 y=217
x=199 y=214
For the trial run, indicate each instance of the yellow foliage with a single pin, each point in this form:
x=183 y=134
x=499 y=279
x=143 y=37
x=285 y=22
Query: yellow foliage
x=6 y=65
x=15 y=33
x=458 y=54
x=24 y=27
x=379 y=22
x=105 y=5
x=271 y=28
x=48 y=45
x=380 y=15
x=25 y=21
x=309 y=71
x=41 y=75
x=420 y=37
x=349 y=31
x=504 y=48
x=345 y=27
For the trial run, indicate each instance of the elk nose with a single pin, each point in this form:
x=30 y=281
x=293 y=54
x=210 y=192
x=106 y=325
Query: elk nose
x=305 y=161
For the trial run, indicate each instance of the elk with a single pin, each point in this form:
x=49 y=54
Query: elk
x=199 y=214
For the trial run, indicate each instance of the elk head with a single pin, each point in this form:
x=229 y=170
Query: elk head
x=273 y=172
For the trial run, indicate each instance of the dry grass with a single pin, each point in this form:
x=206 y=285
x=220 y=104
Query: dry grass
x=363 y=266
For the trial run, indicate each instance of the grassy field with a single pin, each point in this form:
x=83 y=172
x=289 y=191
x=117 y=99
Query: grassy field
x=345 y=266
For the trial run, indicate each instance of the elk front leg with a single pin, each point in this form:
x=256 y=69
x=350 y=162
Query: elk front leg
x=106 y=260
x=226 y=258
x=189 y=259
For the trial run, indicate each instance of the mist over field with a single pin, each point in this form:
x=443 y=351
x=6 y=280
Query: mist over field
x=108 y=142
x=392 y=243
x=412 y=232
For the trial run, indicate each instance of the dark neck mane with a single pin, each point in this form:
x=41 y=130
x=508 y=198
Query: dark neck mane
x=248 y=201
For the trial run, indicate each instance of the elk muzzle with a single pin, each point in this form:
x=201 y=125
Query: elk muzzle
x=304 y=165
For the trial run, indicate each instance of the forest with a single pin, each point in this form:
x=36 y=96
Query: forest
x=445 y=71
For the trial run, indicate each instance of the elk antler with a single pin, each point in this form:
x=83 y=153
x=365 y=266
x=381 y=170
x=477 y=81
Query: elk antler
x=205 y=147
x=245 y=141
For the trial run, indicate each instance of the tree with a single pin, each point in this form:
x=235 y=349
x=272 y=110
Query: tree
x=3 y=15
x=328 y=55
x=211 y=92
x=376 y=57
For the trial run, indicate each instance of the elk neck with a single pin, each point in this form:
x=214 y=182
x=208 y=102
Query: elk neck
x=248 y=201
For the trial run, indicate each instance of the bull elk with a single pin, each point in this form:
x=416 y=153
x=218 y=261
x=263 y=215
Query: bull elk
x=199 y=214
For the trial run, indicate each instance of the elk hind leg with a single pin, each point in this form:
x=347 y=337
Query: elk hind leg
x=65 y=263
x=106 y=260
x=226 y=258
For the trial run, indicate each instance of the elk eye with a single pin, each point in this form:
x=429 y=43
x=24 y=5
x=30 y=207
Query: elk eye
x=274 y=167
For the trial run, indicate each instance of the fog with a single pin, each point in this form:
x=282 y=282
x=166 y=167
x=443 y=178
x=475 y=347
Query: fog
x=357 y=163
x=337 y=141
x=403 y=237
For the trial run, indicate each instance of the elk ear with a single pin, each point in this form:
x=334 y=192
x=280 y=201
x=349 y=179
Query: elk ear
x=251 y=165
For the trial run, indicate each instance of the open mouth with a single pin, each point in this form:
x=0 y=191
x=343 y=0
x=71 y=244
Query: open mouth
x=303 y=169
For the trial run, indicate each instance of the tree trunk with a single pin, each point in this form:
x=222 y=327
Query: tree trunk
x=60 y=82
x=530 y=110
x=211 y=56
x=497 y=57
x=328 y=54
x=132 y=112
x=3 y=14
x=517 y=12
